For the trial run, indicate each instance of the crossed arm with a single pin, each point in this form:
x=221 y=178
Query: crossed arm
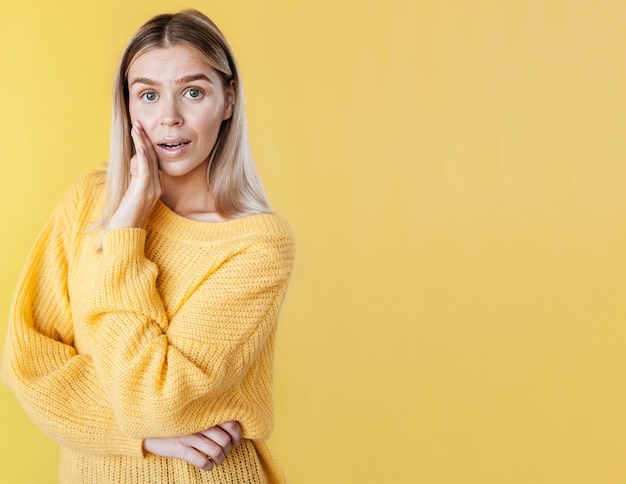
x=62 y=389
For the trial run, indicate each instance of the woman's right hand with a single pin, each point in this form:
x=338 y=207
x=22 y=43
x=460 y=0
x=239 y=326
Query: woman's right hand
x=204 y=449
x=144 y=189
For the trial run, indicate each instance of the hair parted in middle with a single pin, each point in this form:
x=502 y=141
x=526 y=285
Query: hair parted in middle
x=231 y=176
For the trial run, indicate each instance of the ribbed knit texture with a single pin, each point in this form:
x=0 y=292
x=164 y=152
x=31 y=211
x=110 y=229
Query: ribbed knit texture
x=166 y=331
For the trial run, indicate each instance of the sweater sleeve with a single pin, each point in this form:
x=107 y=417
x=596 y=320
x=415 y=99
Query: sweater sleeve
x=56 y=386
x=161 y=373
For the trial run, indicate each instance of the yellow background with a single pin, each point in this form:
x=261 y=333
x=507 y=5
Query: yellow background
x=454 y=172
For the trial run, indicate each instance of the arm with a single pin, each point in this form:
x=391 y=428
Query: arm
x=173 y=377
x=210 y=363
x=204 y=449
x=57 y=387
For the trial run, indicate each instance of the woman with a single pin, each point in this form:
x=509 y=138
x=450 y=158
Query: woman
x=142 y=330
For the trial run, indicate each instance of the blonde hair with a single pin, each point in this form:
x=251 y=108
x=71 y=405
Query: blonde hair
x=231 y=175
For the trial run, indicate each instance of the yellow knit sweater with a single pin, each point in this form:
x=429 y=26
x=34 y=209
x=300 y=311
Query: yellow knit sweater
x=166 y=331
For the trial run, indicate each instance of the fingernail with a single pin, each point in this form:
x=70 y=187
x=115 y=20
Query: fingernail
x=138 y=124
x=141 y=150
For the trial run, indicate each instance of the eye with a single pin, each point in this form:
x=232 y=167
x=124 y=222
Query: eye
x=194 y=93
x=149 y=96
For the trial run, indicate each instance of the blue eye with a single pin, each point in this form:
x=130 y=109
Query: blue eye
x=149 y=96
x=194 y=93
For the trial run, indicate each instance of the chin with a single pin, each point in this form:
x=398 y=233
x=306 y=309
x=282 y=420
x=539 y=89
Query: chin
x=182 y=172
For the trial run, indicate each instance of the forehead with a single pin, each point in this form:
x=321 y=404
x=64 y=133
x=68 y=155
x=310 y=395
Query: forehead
x=165 y=63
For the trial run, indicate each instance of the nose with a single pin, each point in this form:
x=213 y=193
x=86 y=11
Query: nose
x=170 y=113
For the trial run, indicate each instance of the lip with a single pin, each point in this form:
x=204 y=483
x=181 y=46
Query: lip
x=173 y=147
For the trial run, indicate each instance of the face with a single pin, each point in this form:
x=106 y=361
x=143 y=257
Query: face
x=181 y=103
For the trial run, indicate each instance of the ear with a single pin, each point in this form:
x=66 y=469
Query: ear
x=229 y=97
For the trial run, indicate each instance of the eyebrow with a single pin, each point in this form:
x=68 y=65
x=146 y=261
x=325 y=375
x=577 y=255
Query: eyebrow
x=143 y=80
x=194 y=77
x=182 y=80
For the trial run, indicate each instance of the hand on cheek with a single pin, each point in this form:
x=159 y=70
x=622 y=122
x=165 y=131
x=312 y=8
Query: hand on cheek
x=144 y=189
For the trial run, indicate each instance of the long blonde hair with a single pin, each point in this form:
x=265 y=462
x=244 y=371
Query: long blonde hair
x=231 y=175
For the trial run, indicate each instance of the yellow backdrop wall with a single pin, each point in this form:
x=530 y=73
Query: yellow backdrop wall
x=455 y=174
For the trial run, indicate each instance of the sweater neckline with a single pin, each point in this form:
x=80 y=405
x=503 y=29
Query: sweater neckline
x=165 y=219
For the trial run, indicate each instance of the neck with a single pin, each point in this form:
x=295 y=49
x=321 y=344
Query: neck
x=189 y=198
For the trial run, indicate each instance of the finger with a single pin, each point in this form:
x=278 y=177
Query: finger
x=134 y=166
x=220 y=437
x=206 y=446
x=234 y=430
x=144 y=144
x=143 y=140
x=142 y=168
x=147 y=169
x=198 y=458
x=136 y=135
x=142 y=135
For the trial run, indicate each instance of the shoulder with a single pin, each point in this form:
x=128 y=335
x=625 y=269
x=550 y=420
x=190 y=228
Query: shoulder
x=270 y=243
x=82 y=200
x=262 y=250
x=87 y=186
x=267 y=224
x=269 y=230
x=263 y=242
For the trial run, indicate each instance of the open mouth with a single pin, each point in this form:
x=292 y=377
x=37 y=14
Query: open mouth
x=173 y=146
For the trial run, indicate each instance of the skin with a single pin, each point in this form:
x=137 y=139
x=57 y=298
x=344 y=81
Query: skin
x=177 y=104
x=176 y=99
x=204 y=449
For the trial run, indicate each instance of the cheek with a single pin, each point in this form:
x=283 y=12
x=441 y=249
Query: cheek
x=132 y=110
x=139 y=113
x=210 y=129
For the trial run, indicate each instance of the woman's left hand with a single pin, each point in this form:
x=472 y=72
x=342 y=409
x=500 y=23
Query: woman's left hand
x=204 y=449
